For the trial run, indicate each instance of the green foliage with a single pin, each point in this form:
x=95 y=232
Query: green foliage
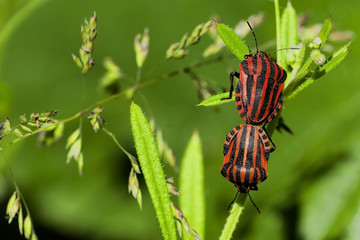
x=192 y=198
x=216 y=100
x=232 y=41
x=289 y=33
x=153 y=173
x=310 y=62
x=233 y=218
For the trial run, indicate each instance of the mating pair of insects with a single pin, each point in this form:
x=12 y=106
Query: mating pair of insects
x=258 y=99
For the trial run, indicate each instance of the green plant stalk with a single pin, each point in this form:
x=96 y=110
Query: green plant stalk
x=278 y=30
x=233 y=217
x=148 y=156
x=116 y=96
x=115 y=140
x=192 y=190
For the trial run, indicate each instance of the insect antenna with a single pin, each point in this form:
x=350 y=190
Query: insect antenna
x=253 y=203
x=281 y=49
x=232 y=202
x=253 y=33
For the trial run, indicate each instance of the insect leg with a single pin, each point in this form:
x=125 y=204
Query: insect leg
x=236 y=74
x=274 y=146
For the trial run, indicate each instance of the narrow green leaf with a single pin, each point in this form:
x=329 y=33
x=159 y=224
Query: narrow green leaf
x=233 y=218
x=325 y=32
x=232 y=41
x=153 y=173
x=192 y=194
x=216 y=100
x=289 y=33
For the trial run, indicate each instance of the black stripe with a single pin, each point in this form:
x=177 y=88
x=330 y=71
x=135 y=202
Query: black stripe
x=238 y=177
x=241 y=137
x=245 y=65
x=269 y=89
x=255 y=176
x=249 y=87
x=254 y=64
x=259 y=81
x=259 y=141
x=262 y=174
x=272 y=104
x=225 y=149
x=283 y=78
x=264 y=64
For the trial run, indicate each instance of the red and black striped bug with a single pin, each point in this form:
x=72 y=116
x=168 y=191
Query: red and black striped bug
x=258 y=94
x=246 y=153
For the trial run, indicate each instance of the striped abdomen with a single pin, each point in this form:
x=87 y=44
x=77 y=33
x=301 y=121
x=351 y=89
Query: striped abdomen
x=258 y=94
x=246 y=153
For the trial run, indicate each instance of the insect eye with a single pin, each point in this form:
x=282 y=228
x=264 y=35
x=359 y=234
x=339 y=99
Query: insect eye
x=247 y=56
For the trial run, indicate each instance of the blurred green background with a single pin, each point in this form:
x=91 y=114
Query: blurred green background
x=313 y=189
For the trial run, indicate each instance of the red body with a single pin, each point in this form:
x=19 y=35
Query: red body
x=258 y=94
x=246 y=153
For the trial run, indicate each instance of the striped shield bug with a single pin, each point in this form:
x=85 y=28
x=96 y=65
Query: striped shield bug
x=246 y=153
x=258 y=94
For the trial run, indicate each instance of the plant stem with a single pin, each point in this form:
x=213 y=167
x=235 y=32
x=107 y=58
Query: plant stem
x=115 y=96
x=277 y=19
x=233 y=217
x=115 y=140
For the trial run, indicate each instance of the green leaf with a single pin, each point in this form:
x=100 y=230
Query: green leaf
x=334 y=60
x=299 y=58
x=325 y=32
x=232 y=41
x=307 y=77
x=233 y=217
x=216 y=100
x=148 y=155
x=192 y=194
x=289 y=33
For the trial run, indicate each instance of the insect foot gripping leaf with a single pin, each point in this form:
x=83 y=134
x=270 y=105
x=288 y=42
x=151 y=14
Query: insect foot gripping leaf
x=246 y=153
x=258 y=93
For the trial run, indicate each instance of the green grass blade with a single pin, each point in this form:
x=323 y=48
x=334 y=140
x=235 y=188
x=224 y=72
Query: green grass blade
x=289 y=33
x=192 y=193
x=216 y=100
x=232 y=41
x=233 y=217
x=148 y=155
